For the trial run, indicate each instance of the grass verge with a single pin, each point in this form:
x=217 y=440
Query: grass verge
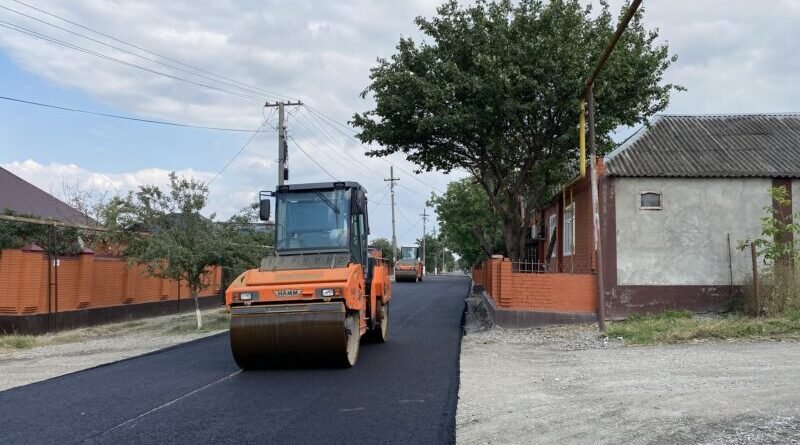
x=211 y=322
x=183 y=324
x=680 y=326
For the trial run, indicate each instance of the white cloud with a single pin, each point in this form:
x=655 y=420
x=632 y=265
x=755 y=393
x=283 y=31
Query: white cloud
x=734 y=56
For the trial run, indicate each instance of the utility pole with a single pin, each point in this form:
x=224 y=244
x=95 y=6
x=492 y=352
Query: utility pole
x=424 y=216
x=283 y=146
x=435 y=256
x=587 y=97
x=391 y=181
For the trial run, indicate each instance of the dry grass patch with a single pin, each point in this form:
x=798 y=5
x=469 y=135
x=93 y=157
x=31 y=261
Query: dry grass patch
x=183 y=324
x=681 y=326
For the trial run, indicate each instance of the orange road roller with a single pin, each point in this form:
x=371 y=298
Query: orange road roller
x=322 y=290
x=409 y=266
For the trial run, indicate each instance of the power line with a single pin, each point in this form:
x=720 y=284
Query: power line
x=56 y=41
x=312 y=159
x=409 y=230
x=337 y=160
x=128 y=118
x=150 y=59
x=146 y=50
x=330 y=121
x=253 y=136
x=337 y=149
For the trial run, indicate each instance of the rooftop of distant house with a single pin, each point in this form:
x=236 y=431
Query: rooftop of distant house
x=24 y=198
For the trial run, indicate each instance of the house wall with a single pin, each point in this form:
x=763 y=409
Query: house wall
x=686 y=243
x=581 y=261
x=795 y=195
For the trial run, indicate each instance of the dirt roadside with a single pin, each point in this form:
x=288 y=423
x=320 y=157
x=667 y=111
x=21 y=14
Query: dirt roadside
x=51 y=355
x=567 y=385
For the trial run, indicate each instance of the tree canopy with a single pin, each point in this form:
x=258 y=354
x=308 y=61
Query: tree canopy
x=386 y=249
x=165 y=231
x=493 y=89
x=470 y=225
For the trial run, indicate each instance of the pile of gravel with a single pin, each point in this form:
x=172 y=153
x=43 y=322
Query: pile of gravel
x=570 y=337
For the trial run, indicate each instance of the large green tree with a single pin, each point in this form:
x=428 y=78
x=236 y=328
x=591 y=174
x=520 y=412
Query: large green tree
x=493 y=88
x=470 y=225
x=437 y=253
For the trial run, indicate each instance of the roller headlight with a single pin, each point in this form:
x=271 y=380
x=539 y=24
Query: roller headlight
x=327 y=292
x=248 y=296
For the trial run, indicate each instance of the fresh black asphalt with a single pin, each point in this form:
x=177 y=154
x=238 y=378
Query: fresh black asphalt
x=404 y=391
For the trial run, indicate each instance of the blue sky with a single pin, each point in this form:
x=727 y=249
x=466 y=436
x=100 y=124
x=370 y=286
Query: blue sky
x=96 y=143
x=734 y=56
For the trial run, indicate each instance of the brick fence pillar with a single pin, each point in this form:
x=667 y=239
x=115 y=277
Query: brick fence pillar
x=85 y=277
x=495 y=281
x=506 y=295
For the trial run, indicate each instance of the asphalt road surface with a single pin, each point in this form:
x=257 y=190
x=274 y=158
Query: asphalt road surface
x=404 y=391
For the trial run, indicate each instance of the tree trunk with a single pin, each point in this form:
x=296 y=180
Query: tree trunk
x=197 y=310
x=515 y=236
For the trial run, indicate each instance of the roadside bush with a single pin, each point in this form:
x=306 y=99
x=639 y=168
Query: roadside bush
x=779 y=289
x=779 y=292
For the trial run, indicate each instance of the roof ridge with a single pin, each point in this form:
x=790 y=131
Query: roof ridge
x=700 y=115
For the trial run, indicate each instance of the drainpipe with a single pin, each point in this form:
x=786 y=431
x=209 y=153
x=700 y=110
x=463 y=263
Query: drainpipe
x=582 y=137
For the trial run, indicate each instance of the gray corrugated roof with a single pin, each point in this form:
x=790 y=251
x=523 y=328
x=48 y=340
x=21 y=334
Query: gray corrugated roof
x=758 y=145
x=25 y=198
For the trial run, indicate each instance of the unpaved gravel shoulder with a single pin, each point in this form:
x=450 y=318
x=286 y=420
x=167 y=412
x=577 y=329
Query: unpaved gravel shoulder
x=567 y=384
x=74 y=350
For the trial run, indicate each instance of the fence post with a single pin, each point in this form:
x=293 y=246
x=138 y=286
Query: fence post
x=756 y=290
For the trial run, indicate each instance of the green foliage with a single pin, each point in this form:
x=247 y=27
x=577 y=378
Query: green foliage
x=386 y=247
x=56 y=240
x=493 y=89
x=434 y=245
x=244 y=243
x=776 y=242
x=179 y=243
x=165 y=231
x=680 y=326
x=470 y=225
x=779 y=286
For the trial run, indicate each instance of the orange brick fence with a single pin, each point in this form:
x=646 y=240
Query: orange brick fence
x=75 y=286
x=573 y=295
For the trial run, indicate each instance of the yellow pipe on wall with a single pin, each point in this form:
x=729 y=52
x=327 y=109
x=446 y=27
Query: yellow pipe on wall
x=582 y=137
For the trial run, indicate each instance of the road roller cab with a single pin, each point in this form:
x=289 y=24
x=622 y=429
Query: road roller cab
x=322 y=289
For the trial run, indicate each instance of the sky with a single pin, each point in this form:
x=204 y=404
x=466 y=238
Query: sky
x=735 y=56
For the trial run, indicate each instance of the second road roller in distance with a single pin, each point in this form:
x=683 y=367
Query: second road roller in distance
x=322 y=289
x=409 y=267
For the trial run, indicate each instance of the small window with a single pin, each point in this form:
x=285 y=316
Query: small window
x=650 y=200
x=569 y=229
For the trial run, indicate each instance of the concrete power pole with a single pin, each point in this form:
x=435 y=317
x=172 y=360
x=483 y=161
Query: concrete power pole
x=283 y=146
x=435 y=257
x=424 y=216
x=391 y=181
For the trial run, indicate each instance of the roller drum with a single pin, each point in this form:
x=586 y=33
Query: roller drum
x=313 y=334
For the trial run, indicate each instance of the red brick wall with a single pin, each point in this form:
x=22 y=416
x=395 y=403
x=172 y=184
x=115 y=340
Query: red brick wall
x=83 y=282
x=546 y=292
x=581 y=261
